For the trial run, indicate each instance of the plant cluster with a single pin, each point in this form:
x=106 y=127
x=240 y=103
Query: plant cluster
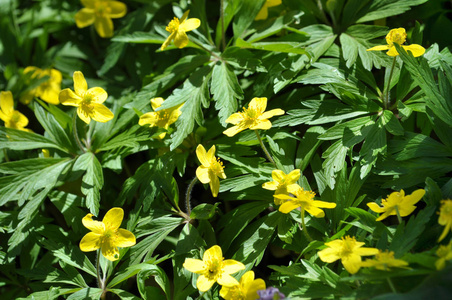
x=258 y=149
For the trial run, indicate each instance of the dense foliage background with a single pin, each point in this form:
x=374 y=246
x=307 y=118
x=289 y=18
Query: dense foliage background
x=358 y=124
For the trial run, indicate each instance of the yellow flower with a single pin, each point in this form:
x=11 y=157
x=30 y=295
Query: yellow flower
x=263 y=13
x=281 y=181
x=304 y=200
x=213 y=268
x=397 y=201
x=107 y=235
x=445 y=217
x=12 y=118
x=245 y=290
x=384 y=260
x=162 y=118
x=48 y=90
x=444 y=253
x=254 y=117
x=348 y=250
x=100 y=12
x=178 y=28
x=211 y=168
x=398 y=36
x=88 y=102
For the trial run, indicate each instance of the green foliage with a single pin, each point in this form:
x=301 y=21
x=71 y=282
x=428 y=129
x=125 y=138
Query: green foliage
x=358 y=125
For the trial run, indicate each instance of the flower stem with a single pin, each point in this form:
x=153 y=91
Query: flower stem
x=74 y=130
x=303 y=225
x=398 y=214
x=99 y=280
x=188 y=195
x=386 y=100
x=269 y=157
x=391 y=285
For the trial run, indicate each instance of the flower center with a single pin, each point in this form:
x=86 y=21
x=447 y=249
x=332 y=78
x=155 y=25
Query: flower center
x=173 y=25
x=347 y=246
x=216 y=165
x=213 y=269
x=101 y=9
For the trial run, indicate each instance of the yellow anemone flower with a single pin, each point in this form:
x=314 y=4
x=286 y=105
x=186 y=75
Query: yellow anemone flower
x=445 y=217
x=254 y=117
x=304 y=200
x=397 y=201
x=245 y=290
x=48 y=90
x=263 y=13
x=384 y=260
x=444 y=253
x=211 y=168
x=178 y=28
x=100 y=12
x=398 y=36
x=106 y=235
x=162 y=118
x=12 y=118
x=281 y=182
x=213 y=268
x=348 y=250
x=88 y=102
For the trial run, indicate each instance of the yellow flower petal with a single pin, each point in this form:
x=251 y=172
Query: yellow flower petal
x=288 y=206
x=230 y=132
x=101 y=113
x=202 y=155
x=214 y=184
x=316 y=212
x=84 y=114
x=84 y=17
x=117 y=9
x=124 y=238
x=231 y=266
x=416 y=50
x=113 y=218
x=258 y=104
x=194 y=265
x=235 y=118
x=95 y=226
x=90 y=242
x=374 y=207
x=272 y=113
x=227 y=280
x=270 y=185
x=68 y=97
x=180 y=39
x=6 y=102
x=104 y=27
x=204 y=284
x=168 y=40
x=203 y=174
x=150 y=118
x=352 y=263
x=80 y=85
x=379 y=48
x=213 y=253
x=156 y=102
x=328 y=255
x=89 y=3
x=109 y=250
x=190 y=24
x=98 y=94
x=323 y=204
x=264 y=125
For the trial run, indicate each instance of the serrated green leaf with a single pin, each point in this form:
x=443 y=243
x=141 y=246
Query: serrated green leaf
x=93 y=180
x=21 y=140
x=226 y=91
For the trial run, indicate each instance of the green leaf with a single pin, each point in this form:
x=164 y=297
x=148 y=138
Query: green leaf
x=391 y=123
x=356 y=41
x=92 y=181
x=284 y=47
x=334 y=161
x=414 y=145
x=226 y=91
x=123 y=294
x=21 y=140
x=86 y=293
x=194 y=94
x=160 y=277
x=140 y=38
x=245 y=16
x=204 y=211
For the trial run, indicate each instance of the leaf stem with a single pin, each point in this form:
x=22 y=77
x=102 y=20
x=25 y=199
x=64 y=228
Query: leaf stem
x=391 y=285
x=188 y=195
x=223 y=39
x=386 y=100
x=398 y=214
x=74 y=130
x=303 y=225
x=269 y=157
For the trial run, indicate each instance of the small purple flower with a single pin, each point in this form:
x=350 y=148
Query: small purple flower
x=270 y=293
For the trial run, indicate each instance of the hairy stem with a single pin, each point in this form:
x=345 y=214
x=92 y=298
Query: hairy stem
x=386 y=100
x=398 y=214
x=74 y=130
x=391 y=285
x=303 y=225
x=223 y=39
x=269 y=157
x=188 y=195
